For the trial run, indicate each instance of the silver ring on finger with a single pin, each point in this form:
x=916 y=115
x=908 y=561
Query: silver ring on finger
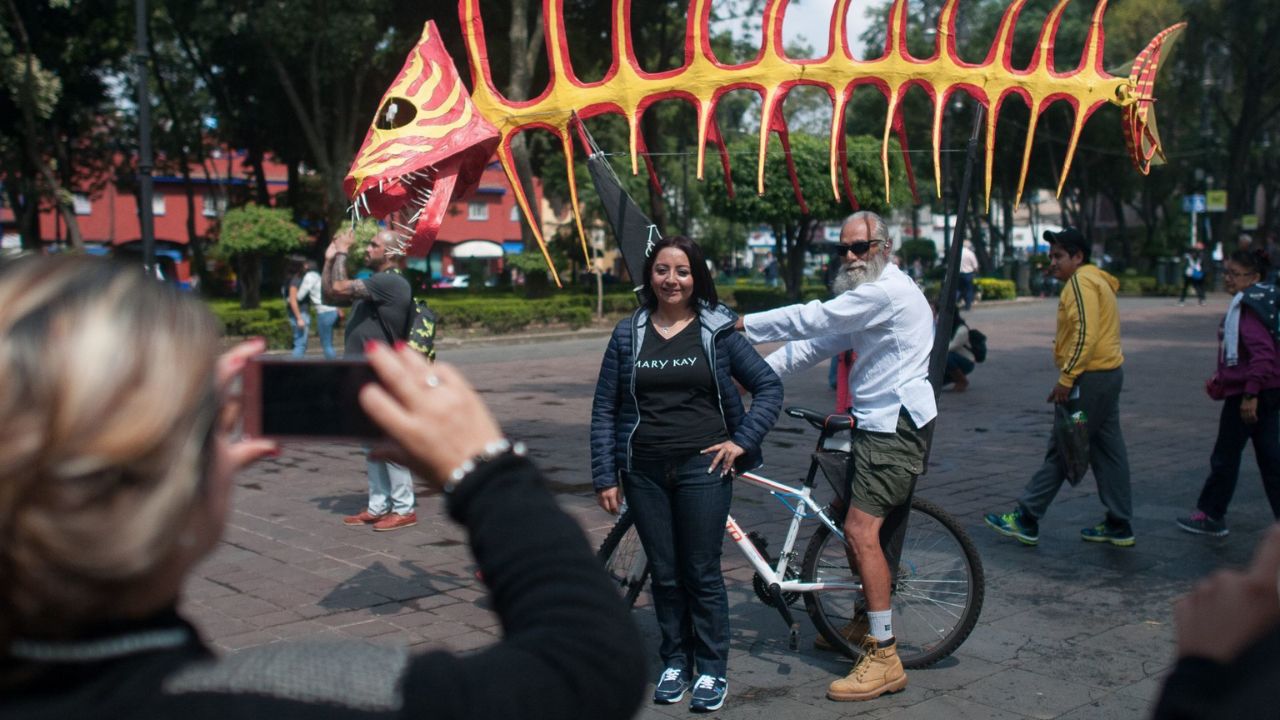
x=433 y=380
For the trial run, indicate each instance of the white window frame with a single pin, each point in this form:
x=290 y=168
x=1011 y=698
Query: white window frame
x=477 y=211
x=214 y=205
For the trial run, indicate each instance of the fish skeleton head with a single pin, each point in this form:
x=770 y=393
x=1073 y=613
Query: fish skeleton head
x=427 y=146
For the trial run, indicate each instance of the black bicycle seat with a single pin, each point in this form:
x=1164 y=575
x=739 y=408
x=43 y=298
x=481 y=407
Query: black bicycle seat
x=826 y=422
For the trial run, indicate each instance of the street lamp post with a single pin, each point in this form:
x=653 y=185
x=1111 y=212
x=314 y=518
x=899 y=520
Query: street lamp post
x=146 y=219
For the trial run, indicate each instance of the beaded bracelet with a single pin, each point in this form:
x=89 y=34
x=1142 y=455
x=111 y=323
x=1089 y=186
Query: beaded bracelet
x=492 y=451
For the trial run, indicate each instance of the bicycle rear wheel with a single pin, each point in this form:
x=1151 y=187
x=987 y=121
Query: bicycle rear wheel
x=937 y=594
x=624 y=558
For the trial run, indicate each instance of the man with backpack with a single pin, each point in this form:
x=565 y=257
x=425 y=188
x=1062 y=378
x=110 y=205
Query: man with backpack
x=1088 y=358
x=382 y=308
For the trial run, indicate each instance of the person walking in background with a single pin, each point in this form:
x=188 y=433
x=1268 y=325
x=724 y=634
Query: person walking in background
x=297 y=303
x=380 y=313
x=883 y=317
x=968 y=271
x=770 y=270
x=1248 y=383
x=1193 y=273
x=668 y=419
x=1087 y=353
x=326 y=315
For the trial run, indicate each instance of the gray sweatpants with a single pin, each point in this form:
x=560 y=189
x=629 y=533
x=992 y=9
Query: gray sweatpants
x=1100 y=400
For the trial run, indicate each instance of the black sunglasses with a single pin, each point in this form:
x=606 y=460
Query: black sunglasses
x=857 y=248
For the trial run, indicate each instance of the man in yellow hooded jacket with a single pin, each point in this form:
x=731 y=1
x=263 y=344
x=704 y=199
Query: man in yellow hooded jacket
x=1087 y=353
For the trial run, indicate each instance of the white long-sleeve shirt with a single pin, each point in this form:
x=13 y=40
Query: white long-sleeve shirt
x=887 y=322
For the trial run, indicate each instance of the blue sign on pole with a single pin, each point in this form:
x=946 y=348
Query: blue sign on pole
x=1193 y=203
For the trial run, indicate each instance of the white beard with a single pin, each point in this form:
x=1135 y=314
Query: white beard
x=855 y=273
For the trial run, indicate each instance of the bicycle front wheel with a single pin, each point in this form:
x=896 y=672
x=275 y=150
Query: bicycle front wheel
x=937 y=592
x=624 y=558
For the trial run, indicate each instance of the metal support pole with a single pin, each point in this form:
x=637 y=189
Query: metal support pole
x=146 y=219
x=947 y=300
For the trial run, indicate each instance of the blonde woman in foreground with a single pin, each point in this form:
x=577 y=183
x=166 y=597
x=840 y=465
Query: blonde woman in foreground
x=116 y=472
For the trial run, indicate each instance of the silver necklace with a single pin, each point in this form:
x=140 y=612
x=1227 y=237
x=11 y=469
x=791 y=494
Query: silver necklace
x=667 y=328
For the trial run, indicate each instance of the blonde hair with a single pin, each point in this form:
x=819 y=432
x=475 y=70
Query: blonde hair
x=107 y=407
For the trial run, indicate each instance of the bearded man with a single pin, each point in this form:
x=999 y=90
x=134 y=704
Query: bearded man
x=880 y=314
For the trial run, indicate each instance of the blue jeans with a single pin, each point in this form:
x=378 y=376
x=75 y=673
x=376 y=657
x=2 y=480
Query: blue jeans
x=299 y=333
x=390 y=488
x=324 y=328
x=966 y=290
x=680 y=514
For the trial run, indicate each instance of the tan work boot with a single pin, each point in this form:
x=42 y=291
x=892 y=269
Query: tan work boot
x=853 y=631
x=879 y=671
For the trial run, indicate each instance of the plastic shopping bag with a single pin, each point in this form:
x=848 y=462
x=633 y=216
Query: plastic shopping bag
x=1071 y=434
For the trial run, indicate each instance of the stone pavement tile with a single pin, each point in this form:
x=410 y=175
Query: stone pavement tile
x=271 y=620
x=952 y=708
x=368 y=629
x=299 y=630
x=953 y=672
x=1031 y=694
x=993 y=645
x=1108 y=669
x=470 y=640
x=1148 y=639
x=442 y=629
x=243 y=606
x=1111 y=707
x=246 y=640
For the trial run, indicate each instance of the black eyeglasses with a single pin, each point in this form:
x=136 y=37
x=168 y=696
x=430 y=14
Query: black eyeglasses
x=857 y=248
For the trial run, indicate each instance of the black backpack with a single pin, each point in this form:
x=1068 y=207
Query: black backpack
x=1264 y=299
x=978 y=345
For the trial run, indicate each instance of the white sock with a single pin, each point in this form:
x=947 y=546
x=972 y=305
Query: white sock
x=881 y=623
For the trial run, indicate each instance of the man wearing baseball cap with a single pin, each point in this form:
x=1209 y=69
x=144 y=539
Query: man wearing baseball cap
x=1087 y=353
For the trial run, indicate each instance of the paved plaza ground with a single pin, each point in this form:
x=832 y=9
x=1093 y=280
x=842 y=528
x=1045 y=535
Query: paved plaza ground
x=1069 y=629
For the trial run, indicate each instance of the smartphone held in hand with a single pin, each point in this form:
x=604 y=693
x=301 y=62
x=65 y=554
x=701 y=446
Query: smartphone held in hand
x=289 y=398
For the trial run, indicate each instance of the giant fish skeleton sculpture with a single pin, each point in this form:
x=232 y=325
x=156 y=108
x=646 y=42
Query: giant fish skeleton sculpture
x=430 y=140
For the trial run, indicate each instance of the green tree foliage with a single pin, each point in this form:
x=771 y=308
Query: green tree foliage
x=56 y=120
x=794 y=229
x=250 y=234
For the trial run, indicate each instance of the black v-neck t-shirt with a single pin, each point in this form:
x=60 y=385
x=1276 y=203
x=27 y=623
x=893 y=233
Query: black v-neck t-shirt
x=676 y=396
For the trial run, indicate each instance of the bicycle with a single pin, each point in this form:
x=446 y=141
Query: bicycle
x=938 y=583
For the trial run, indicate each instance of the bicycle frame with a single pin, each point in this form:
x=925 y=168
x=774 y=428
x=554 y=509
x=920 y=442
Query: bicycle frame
x=806 y=507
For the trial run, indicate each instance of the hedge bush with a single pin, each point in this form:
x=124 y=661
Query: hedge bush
x=996 y=289
x=1138 y=285
x=749 y=300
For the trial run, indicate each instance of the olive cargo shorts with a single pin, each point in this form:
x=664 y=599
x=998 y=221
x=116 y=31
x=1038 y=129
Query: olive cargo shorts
x=886 y=465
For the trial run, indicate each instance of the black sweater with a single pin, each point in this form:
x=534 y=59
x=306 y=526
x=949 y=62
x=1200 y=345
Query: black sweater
x=1243 y=689
x=570 y=648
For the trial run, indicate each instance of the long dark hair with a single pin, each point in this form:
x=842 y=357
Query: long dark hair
x=704 y=288
x=1254 y=260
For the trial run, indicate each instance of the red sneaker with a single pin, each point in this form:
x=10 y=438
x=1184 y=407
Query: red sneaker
x=395 y=521
x=364 y=517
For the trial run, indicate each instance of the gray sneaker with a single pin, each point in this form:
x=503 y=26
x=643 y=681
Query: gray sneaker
x=1199 y=523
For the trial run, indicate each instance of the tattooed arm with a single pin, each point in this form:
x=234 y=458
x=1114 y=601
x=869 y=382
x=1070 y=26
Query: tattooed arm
x=334 y=284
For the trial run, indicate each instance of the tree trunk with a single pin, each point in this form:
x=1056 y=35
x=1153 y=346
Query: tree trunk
x=249 y=272
x=525 y=46
x=31 y=139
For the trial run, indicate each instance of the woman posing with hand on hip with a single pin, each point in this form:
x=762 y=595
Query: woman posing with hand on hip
x=668 y=419
x=1248 y=383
